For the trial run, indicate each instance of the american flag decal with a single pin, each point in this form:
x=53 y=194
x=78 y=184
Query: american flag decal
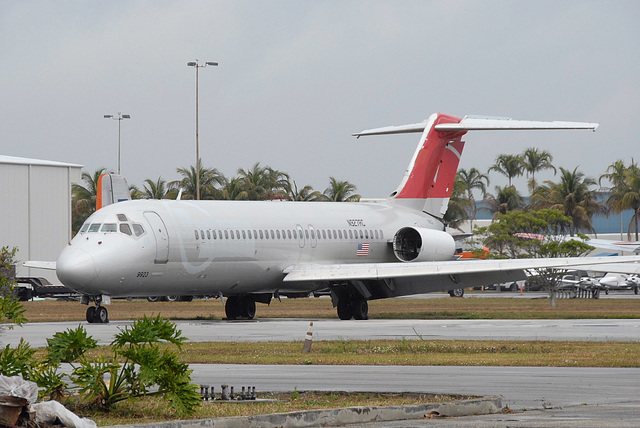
x=363 y=250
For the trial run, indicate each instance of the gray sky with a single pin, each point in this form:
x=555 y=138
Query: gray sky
x=297 y=78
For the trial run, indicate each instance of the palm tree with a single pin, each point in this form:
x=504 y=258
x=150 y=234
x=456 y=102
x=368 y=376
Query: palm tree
x=625 y=193
x=262 y=183
x=470 y=180
x=84 y=198
x=508 y=165
x=534 y=160
x=572 y=196
x=305 y=194
x=507 y=199
x=209 y=178
x=233 y=190
x=459 y=205
x=340 y=191
x=154 y=189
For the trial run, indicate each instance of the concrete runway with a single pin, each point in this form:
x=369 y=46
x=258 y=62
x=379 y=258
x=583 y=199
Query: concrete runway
x=540 y=396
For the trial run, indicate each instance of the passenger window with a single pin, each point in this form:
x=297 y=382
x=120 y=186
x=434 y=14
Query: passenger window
x=273 y=235
x=244 y=234
x=124 y=228
x=226 y=234
x=295 y=234
x=261 y=235
x=278 y=234
x=85 y=227
x=202 y=234
x=289 y=233
x=324 y=234
x=381 y=235
x=335 y=235
x=306 y=233
x=208 y=234
x=138 y=230
x=366 y=234
x=361 y=236
x=122 y=217
x=376 y=232
x=94 y=227
x=350 y=234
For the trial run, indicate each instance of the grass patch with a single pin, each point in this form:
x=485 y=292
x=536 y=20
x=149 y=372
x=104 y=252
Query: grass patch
x=414 y=353
x=149 y=409
x=437 y=308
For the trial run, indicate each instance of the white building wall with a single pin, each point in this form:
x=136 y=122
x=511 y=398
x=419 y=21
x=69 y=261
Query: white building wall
x=35 y=210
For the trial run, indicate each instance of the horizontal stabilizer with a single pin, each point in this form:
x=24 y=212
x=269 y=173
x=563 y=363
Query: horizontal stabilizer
x=40 y=265
x=472 y=123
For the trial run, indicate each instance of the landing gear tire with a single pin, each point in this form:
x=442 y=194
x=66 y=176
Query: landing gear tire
x=345 y=310
x=101 y=315
x=91 y=313
x=360 y=309
x=173 y=298
x=247 y=308
x=232 y=307
x=154 y=298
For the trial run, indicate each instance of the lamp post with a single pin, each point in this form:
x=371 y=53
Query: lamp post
x=119 y=119
x=195 y=64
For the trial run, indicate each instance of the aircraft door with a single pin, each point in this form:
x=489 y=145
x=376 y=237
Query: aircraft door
x=300 y=236
x=313 y=237
x=160 y=234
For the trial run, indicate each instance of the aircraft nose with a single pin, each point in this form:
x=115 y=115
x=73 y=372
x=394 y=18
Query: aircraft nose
x=76 y=268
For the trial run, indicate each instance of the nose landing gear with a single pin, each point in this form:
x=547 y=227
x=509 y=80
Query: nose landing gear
x=96 y=314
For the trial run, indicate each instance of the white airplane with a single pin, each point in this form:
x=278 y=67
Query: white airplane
x=251 y=252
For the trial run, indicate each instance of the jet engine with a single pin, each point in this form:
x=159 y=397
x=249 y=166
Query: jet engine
x=417 y=244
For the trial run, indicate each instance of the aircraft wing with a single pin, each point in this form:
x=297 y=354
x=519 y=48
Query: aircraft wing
x=40 y=265
x=373 y=271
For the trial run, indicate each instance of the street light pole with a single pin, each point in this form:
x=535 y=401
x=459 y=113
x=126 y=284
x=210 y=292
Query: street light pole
x=119 y=119
x=195 y=64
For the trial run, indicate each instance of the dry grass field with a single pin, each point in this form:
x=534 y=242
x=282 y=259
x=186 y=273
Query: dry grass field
x=437 y=308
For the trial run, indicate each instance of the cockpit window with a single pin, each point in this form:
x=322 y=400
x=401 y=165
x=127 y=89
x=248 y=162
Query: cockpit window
x=122 y=217
x=94 y=227
x=109 y=227
x=138 y=229
x=84 y=227
x=125 y=228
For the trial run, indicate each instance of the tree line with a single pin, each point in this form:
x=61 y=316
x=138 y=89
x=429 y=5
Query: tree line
x=258 y=183
x=573 y=193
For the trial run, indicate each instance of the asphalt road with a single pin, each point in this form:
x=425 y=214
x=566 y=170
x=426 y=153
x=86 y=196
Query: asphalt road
x=334 y=329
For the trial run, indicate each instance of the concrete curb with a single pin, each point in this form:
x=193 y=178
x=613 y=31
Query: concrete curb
x=341 y=416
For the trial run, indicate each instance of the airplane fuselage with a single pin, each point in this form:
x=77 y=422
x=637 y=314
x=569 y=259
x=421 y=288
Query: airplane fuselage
x=165 y=247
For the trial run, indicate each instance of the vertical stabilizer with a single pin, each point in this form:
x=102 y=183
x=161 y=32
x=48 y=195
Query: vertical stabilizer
x=111 y=188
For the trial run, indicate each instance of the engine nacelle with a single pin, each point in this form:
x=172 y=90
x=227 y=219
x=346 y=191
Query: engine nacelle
x=417 y=244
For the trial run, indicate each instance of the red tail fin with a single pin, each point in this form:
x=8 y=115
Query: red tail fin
x=428 y=182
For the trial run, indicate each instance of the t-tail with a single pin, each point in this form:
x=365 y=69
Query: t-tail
x=428 y=181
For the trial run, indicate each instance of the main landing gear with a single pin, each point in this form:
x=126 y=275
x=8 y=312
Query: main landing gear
x=240 y=307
